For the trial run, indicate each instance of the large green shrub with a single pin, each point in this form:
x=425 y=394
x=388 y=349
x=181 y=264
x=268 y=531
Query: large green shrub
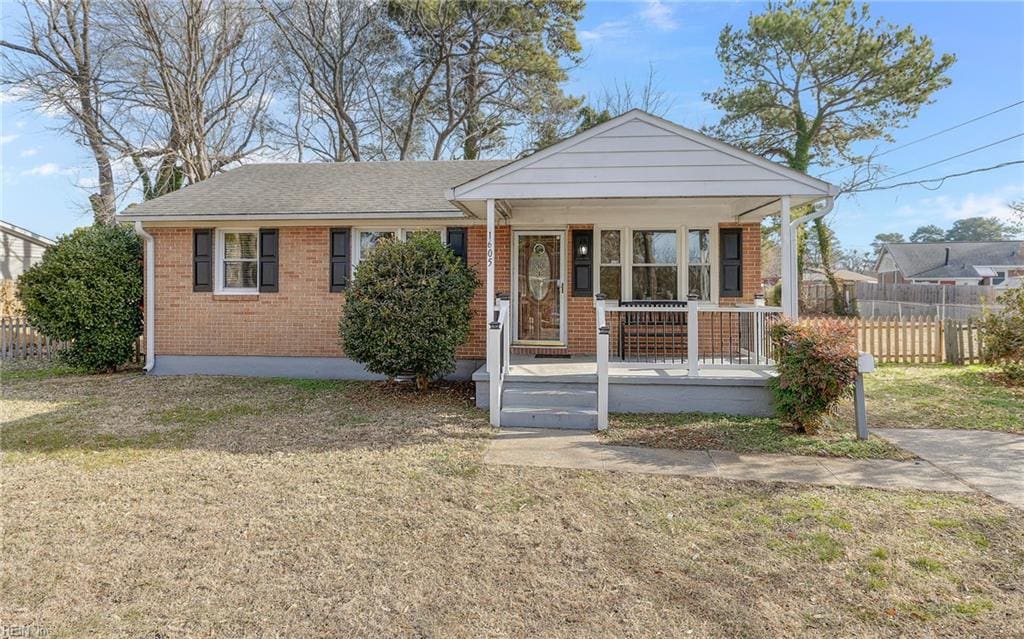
x=817 y=366
x=1002 y=334
x=407 y=309
x=87 y=290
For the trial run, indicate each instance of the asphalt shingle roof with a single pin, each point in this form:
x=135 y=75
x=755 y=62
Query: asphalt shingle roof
x=322 y=188
x=928 y=259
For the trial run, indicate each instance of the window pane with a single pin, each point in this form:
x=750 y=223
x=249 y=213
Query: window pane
x=654 y=283
x=654 y=247
x=611 y=282
x=700 y=282
x=369 y=239
x=240 y=246
x=611 y=247
x=239 y=274
x=699 y=247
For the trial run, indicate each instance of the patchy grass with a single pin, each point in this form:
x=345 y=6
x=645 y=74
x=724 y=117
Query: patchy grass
x=924 y=396
x=742 y=435
x=941 y=396
x=142 y=506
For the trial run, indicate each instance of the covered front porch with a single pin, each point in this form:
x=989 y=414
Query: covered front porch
x=623 y=270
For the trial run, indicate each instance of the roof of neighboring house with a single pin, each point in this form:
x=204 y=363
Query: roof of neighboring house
x=26 y=234
x=843 y=275
x=929 y=260
x=352 y=188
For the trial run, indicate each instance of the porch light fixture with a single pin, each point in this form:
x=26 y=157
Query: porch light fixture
x=583 y=249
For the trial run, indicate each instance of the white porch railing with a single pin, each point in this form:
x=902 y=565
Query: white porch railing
x=695 y=335
x=499 y=344
x=603 y=337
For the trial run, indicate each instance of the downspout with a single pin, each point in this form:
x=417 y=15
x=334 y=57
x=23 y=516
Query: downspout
x=150 y=293
x=830 y=202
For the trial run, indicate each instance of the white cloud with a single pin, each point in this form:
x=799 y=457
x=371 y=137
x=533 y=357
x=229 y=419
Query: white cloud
x=610 y=30
x=946 y=208
x=44 y=170
x=659 y=15
x=4 y=139
x=88 y=182
x=27 y=153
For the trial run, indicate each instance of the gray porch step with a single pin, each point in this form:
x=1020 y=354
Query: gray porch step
x=571 y=418
x=549 y=396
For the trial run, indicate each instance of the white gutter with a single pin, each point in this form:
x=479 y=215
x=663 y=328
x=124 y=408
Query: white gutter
x=150 y=293
x=793 y=294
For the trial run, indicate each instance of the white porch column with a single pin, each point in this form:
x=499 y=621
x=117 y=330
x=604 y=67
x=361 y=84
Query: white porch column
x=789 y=284
x=491 y=365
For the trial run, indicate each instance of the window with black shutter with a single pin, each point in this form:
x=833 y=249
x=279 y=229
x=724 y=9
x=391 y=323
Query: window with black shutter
x=582 y=263
x=202 y=260
x=268 y=260
x=458 y=242
x=731 y=262
x=340 y=261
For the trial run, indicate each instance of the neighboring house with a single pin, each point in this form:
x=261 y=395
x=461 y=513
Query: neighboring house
x=842 y=276
x=247 y=271
x=19 y=250
x=999 y=264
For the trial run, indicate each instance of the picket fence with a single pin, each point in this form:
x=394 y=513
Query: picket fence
x=912 y=340
x=19 y=340
x=915 y=340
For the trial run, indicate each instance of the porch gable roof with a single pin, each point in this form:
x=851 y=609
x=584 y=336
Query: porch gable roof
x=639 y=155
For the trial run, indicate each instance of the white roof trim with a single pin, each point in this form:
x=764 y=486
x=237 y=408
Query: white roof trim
x=462 y=190
x=313 y=215
x=26 y=234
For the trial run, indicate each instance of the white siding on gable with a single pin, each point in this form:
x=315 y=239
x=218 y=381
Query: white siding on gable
x=17 y=254
x=639 y=157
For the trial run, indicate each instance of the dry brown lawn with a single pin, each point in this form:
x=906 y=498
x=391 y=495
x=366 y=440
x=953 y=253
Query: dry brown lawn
x=166 y=507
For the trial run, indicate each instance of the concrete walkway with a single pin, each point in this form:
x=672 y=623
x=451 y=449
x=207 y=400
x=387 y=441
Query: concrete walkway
x=989 y=461
x=581 y=450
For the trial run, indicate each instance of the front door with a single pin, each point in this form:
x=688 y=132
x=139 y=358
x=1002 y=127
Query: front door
x=539 y=282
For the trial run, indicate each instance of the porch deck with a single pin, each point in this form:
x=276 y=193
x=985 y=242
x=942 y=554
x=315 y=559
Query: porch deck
x=563 y=392
x=584 y=368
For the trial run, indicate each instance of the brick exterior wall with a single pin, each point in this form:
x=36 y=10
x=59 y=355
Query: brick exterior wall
x=301 y=319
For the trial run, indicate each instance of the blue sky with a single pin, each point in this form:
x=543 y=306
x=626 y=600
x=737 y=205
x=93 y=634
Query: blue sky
x=45 y=173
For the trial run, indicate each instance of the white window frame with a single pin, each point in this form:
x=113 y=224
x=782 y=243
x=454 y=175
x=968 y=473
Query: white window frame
x=220 y=289
x=599 y=262
x=401 y=232
x=682 y=257
x=633 y=264
x=710 y=264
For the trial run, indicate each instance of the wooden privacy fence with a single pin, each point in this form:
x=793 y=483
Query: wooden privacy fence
x=18 y=340
x=915 y=340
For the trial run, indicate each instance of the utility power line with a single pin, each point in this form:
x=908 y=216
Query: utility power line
x=953 y=157
x=931 y=135
x=940 y=180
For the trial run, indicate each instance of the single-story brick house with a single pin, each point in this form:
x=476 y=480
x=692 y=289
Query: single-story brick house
x=622 y=249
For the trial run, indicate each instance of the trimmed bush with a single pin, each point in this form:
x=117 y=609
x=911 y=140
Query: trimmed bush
x=87 y=290
x=1002 y=334
x=407 y=309
x=817 y=367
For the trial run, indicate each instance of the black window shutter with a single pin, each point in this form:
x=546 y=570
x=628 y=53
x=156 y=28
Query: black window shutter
x=582 y=263
x=339 y=259
x=269 y=251
x=731 y=256
x=202 y=260
x=458 y=242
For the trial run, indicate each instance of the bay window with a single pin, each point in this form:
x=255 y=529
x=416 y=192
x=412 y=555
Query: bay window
x=655 y=274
